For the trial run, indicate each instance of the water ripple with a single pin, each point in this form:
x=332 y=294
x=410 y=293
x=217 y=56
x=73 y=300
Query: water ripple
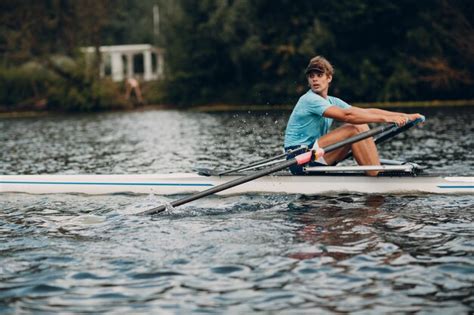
x=340 y=253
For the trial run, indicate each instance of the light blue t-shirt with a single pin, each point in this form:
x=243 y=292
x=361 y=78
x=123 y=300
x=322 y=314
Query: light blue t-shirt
x=307 y=123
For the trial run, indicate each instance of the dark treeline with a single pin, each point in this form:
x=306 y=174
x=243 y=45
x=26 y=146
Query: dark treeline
x=255 y=51
x=242 y=51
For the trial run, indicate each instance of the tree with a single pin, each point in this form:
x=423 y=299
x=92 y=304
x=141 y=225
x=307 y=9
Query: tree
x=50 y=33
x=255 y=51
x=449 y=68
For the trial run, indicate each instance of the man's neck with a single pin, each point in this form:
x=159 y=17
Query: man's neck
x=323 y=94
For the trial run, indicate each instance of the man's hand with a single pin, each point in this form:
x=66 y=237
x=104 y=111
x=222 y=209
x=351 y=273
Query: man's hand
x=399 y=120
x=402 y=119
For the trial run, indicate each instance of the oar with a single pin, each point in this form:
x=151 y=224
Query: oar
x=208 y=172
x=388 y=134
x=297 y=160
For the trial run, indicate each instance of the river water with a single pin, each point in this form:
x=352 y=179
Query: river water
x=291 y=254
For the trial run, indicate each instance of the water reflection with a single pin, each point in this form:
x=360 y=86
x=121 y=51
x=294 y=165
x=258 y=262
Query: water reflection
x=341 y=230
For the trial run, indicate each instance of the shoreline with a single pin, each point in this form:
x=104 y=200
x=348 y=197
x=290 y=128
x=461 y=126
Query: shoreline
x=232 y=107
x=401 y=104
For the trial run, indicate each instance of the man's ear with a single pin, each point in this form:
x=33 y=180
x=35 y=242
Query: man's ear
x=329 y=78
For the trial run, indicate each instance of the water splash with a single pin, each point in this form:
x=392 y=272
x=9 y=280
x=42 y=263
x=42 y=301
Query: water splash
x=169 y=207
x=142 y=205
x=80 y=224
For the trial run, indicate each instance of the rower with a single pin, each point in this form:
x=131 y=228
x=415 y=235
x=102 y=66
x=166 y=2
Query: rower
x=311 y=119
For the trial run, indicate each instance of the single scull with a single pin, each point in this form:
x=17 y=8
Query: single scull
x=338 y=180
x=394 y=178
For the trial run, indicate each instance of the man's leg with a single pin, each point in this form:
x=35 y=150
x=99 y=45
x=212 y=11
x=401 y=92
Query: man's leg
x=138 y=94
x=365 y=151
x=128 y=91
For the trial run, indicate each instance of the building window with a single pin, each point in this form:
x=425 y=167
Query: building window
x=107 y=63
x=154 y=63
x=138 y=65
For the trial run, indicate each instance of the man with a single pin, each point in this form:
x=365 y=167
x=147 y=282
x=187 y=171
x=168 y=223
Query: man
x=315 y=111
x=132 y=85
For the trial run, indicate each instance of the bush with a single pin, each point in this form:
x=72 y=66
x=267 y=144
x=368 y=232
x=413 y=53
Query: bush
x=23 y=87
x=153 y=92
x=64 y=95
x=68 y=87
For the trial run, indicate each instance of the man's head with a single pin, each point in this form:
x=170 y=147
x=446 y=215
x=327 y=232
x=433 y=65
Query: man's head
x=319 y=73
x=319 y=64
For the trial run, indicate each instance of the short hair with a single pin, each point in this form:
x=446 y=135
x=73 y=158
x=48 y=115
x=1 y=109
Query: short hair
x=321 y=65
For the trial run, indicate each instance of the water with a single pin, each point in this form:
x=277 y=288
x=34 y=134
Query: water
x=342 y=253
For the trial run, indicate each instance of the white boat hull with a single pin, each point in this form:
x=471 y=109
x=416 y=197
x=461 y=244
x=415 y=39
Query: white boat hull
x=185 y=183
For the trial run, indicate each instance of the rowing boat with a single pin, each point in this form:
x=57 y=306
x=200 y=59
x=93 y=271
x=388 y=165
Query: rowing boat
x=339 y=179
x=396 y=177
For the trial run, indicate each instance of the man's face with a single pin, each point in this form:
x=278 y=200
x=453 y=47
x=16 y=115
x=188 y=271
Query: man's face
x=319 y=82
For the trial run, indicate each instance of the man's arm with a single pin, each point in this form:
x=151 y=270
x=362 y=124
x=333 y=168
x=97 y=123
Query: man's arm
x=385 y=112
x=356 y=115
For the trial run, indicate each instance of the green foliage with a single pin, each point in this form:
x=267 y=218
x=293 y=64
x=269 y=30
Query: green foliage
x=84 y=93
x=255 y=51
x=35 y=87
x=102 y=95
x=242 y=51
x=19 y=87
x=129 y=22
x=48 y=34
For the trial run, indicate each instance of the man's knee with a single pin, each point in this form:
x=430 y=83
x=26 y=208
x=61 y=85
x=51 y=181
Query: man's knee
x=356 y=129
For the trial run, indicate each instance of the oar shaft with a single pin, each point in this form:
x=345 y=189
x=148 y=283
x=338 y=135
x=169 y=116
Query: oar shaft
x=388 y=134
x=258 y=163
x=298 y=160
x=392 y=133
x=227 y=185
x=253 y=164
x=359 y=137
x=347 y=141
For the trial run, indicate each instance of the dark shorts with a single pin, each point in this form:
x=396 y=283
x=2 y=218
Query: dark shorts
x=298 y=169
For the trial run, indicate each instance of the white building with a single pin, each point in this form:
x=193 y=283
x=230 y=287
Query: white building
x=142 y=61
